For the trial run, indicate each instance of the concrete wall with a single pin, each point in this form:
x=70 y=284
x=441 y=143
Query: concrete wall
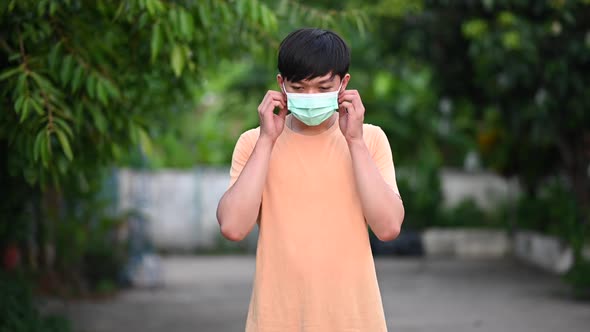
x=487 y=189
x=180 y=206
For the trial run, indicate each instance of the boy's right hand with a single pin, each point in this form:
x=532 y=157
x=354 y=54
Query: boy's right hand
x=271 y=124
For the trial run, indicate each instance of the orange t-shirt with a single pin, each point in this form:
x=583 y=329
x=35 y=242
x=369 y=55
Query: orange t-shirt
x=314 y=265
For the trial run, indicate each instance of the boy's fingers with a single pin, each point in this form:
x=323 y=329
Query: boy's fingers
x=349 y=95
x=283 y=113
x=342 y=112
x=347 y=106
x=352 y=98
x=280 y=98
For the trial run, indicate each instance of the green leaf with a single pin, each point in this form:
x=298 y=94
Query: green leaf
x=44 y=84
x=474 y=29
x=37 y=145
x=22 y=83
x=101 y=93
x=241 y=7
x=44 y=148
x=65 y=144
x=204 y=14
x=99 y=120
x=225 y=12
x=186 y=24
x=77 y=78
x=111 y=89
x=173 y=16
x=145 y=141
x=177 y=60
x=37 y=106
x=18 y=104
x=66 y=69
x=150 y=7
x=53 y=55
x=62 y=165
x=25 y=109
x=53 y=7
x=265 y=18
x=156 y=42
x=360 y=24
x=91 y=85
x=65 y=126
x=9 y=72
x=253 y=10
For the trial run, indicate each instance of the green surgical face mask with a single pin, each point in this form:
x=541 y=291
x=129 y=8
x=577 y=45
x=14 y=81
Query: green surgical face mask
x=312 y=108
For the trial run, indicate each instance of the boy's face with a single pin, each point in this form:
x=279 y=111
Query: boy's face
x=326 y=83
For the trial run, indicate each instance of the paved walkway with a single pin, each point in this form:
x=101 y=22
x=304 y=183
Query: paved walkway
x=211 y=294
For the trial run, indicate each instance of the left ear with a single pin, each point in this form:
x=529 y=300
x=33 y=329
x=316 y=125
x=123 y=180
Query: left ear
x=345 y=80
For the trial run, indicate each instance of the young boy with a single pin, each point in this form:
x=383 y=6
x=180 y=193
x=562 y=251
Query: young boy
x=312 y=181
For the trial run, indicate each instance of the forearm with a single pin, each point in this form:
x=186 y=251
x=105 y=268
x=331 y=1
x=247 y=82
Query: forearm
x=382 y=207
x=238 y=209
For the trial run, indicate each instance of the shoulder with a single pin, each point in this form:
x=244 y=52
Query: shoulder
x=375 y=138
x=249 y=137
x=372 y=130
x=247 y=141
x=373 y=134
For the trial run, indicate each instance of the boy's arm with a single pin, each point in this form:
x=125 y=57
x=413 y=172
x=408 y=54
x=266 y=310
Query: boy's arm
x=382 y=206
x=239 y=207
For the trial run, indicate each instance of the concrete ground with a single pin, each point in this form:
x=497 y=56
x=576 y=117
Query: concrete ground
x=211 y=294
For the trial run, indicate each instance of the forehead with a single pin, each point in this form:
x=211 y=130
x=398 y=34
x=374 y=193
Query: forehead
x=330 y=77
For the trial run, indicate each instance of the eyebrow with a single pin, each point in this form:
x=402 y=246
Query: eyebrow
x=327 y=80
x=324 y=81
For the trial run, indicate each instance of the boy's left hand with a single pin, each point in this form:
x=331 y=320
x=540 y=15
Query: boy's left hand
x=352 y=115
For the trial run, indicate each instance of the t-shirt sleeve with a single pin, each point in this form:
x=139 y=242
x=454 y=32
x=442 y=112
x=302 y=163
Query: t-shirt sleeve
x=241 y=154
x=381 y=152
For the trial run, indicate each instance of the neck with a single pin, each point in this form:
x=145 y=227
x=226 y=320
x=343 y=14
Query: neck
x=301 y=128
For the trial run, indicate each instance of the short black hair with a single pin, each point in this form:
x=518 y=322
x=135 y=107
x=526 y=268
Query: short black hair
x=309 y=53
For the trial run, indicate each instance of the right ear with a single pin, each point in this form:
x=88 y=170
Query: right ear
x=280 y=82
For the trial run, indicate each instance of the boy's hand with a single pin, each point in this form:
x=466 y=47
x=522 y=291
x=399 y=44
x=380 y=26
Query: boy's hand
x=352 y=115
x=271 y=124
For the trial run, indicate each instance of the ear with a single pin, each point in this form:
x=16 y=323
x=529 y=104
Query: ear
x=280 y=82
x=345 y=81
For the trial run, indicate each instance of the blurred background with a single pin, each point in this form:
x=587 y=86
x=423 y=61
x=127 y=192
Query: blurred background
x=118 y=121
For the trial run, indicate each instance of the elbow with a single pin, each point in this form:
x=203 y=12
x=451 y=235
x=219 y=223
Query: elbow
x=393 y=229
x=231 y=233
x=389 y=234
x=227 y=231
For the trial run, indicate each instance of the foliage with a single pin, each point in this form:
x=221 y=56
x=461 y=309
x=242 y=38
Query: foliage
x=89 y=251
x=205 y=135
x=519 y=68
x=579 y=277
x=87 y=81
x=18 y=312
x=468 y=213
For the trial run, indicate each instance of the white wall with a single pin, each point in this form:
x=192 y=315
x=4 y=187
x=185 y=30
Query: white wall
x=181 y=205
x=487 y=189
